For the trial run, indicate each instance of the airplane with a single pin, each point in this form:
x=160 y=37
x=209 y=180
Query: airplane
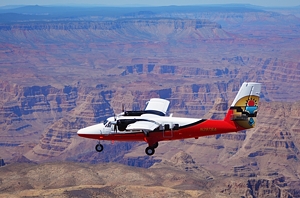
x=152 y=125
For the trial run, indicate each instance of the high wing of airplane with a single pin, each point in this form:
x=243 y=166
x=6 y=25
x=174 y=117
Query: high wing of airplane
x=152 y=125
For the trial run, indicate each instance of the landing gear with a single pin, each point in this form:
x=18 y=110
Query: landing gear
x=155 y=145
x=149 y=150
x=99 y=147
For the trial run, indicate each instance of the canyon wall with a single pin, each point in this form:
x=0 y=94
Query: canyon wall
x=60 y=76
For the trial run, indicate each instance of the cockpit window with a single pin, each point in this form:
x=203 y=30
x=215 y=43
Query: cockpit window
x=105 y=121
x=108 y=124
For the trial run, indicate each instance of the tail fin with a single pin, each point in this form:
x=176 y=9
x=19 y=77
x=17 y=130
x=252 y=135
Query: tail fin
x=243 y=109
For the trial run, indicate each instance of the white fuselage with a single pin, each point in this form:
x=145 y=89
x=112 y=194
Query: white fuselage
x=109 y=126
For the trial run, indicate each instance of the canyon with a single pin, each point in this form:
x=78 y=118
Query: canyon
x=63 y=74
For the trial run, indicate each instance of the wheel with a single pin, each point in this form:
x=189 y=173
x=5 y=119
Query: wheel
x=150 y=151
x=155 y=145
x=99 y=147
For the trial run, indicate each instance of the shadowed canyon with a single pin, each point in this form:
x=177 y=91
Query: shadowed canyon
x=62 y=69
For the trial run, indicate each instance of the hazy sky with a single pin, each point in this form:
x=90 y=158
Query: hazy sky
x=149 y=2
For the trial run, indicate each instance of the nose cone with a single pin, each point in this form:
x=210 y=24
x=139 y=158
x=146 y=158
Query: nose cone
x=82 y=131
x=91 y=131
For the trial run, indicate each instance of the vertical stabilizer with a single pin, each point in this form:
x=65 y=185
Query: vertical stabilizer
x=243 y=109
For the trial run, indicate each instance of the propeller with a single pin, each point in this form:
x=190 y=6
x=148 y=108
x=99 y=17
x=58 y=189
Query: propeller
x=115 y=123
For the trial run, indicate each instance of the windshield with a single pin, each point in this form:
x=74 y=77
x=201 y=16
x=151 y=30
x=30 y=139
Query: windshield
x=108 y=124
x=105 y=121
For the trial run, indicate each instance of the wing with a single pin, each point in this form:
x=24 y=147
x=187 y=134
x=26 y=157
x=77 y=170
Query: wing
x=158 y=105
x=142 y=125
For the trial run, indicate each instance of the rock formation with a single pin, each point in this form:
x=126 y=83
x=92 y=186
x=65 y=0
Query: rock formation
x=65 y=179
x=2 y=162
x=61 y=75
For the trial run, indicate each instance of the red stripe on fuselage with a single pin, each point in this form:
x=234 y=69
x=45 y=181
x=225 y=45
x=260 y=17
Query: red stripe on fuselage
x=139 y=136
x=205 y=128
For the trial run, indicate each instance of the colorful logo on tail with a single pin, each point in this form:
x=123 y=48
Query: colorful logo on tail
x=245 y=111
